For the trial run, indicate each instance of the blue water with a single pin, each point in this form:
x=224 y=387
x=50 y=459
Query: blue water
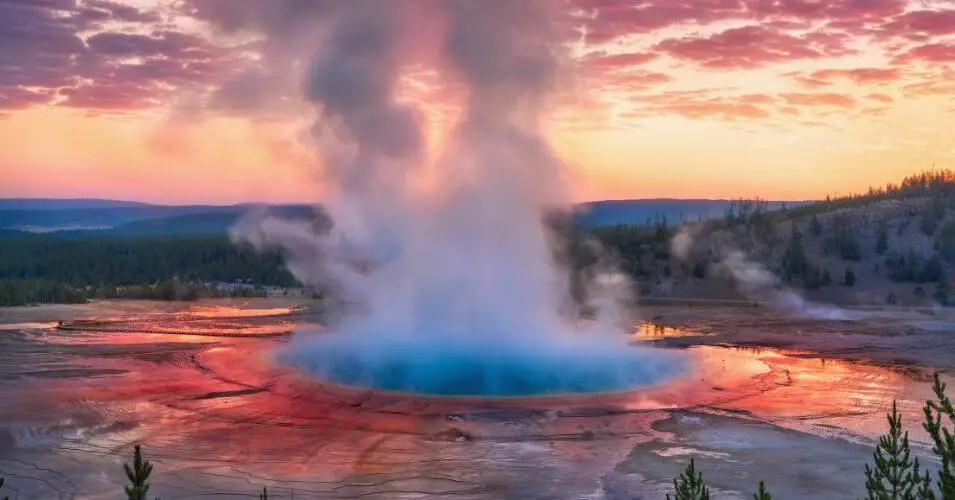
x=484 y=367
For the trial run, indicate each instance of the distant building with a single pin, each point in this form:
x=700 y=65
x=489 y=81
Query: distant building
x=304 y=291
x=232 y=287
x=228 y=288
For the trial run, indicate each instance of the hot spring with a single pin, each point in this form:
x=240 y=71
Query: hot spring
x=565 y=364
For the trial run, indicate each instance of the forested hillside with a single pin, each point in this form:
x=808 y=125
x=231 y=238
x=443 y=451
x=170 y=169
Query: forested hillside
x=52 y=268
x=892 y=245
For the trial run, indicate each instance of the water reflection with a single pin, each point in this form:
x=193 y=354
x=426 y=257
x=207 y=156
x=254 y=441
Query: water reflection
x=216 y=400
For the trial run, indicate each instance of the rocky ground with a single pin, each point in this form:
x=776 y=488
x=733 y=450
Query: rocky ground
x=791 y=401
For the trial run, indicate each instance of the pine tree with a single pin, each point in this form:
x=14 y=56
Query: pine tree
x=826 y=278
x=911 y=269
x=814 y=226
x=882 y=239
x=813 y=278
x=850 y=279
x=929 y=223
x=1 y=486
x=762 y=494
x=264 y=495
x=941 y=290
x=138 y=474
x=895 y=475
x=938 y=208
x=795 y=262
x=689 y=485
x=845 y=239
x=943 y=438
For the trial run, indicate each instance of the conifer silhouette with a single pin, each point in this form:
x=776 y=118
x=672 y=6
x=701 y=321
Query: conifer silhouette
x=689 y=485
x=895 y=474
x=943 y=438
x=138 y=474
x=762 y=494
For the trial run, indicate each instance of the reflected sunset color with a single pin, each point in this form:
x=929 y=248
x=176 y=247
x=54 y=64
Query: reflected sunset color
x=231 y=381
x=224 y=408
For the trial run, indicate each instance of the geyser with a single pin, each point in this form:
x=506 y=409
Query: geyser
x=456 y=285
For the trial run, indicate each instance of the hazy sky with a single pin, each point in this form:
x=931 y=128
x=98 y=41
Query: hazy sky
x=187 y=101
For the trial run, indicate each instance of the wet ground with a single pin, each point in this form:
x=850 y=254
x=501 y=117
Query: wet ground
x=796 y=403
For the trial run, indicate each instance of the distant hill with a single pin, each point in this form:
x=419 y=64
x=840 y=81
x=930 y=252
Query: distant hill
x=206 y=223
x=613 y=212
x=134 y=218
x=202 y=223
x=64 y=204
x=100 y=218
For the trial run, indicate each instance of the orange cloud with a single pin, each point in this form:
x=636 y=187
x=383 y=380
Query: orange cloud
x=820 y=99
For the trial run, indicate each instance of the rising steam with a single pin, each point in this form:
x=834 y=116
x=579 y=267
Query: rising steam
x=459 y=290
x=754 y=281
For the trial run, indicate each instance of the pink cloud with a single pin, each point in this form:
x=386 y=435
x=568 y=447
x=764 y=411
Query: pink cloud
x=715 y=109
x=753 y=46
x=78 y=54
x=756 y=99
x=617 y=72
x=47 y=57
x=806 y=81
x=930 y=87
x=612 y=19
x=860 y=76
x=701 y=104
x=932 y=52
x=615 y=61
x=616 y=18
x=819 y=99
x=870 y=10
x=880 y=97
x=920 y=24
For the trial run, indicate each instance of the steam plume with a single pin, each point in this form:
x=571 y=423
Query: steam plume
x=755 y=281
x=460 y=289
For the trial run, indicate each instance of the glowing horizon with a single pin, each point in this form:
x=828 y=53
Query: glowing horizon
x=183 y=102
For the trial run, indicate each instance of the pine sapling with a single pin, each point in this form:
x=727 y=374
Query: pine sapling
x=762 y=494
x=689 y=485
x=895 y=474
x=942 y=437
x=138 y=474
x=925 y=491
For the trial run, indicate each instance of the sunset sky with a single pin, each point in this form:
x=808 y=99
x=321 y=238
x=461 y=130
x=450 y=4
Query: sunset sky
x=185 y=102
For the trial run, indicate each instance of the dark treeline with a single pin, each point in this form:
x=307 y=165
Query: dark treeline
x=93 y=261
x=18 y=292
x=935 y=184
x=54 y=268
x=636 y=248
